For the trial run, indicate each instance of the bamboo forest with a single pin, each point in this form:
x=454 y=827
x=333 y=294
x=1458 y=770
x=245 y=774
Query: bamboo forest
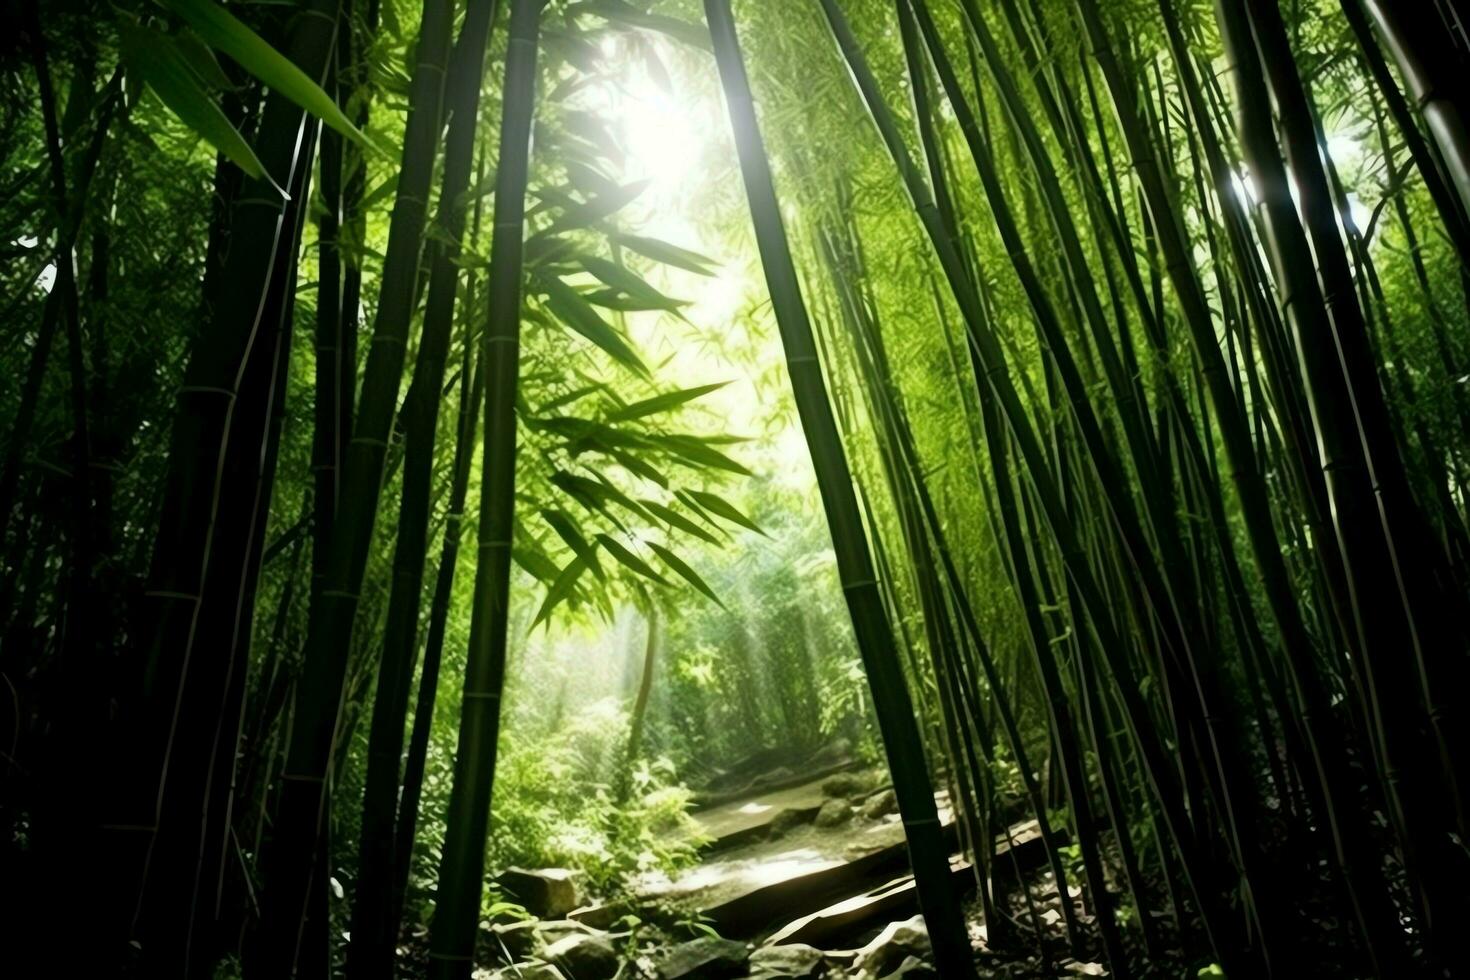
x=698 y=489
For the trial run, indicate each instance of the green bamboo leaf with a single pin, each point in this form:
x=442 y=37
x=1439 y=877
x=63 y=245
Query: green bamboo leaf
x=536 y=563
x=684 y=32
x=575 y=312
x=718 y=505
x=611 y=299
x=219 y=28
x=685 y=572
x=585 y=213
x=567 y=398
x=166 y=70
x=629 y=282
x=641 y=467
x=675 y=519
x=629 y=559
x=202 y=60
x=696 y=453
x=662 y=403
x=561 y=589
x=662 y=251
x=564 y=526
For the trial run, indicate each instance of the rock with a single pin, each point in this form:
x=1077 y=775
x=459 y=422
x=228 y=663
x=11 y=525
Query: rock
x=584 y=955
x=510 y=941
x=529 y=971
x=599 y=916
x=897 y=942
x=547 y=893
x=880 y=805
x=780 y=774
x=833 y=812
x=913 y=968
x=709 y=958
x=788 y=820
x=792 y=961
x=846 y=784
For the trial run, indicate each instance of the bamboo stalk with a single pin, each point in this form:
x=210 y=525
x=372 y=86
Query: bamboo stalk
x=901 y=739
x=457 y=904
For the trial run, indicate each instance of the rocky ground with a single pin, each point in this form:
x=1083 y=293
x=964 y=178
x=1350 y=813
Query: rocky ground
x=804 y=877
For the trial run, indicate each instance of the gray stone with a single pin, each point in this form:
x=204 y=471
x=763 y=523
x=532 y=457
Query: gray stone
x=788 y=820
x=583 y=955
x=547 y=893
x=913 y=968
x=897 y=942
x=847 y=784
x=599 y=916
x=791 y=961
x=529 y=971
x=880 y=805
x=510 y=941
x=709 y=958
x=833 y=812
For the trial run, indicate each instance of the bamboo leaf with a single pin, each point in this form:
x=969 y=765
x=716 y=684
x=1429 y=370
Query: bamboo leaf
x=721 y=507
x=224 y=32
x=685 y=572
x=575 y=312
x=202 y=60
x=696 y=453
x=629 y=559
x=564 y=526
x=561 y=589
x=625 y=13
x=585 y=213
x=635 y=465
x=629 y=282
x=536 y=563
x=661 y=251
x=166 y=70
x=662 y=403
x=675 y=519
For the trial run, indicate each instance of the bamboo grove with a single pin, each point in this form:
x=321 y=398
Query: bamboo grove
x=1129 y=345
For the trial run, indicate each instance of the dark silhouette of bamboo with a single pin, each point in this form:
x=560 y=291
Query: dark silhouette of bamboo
x=240 y=291
x=423 y=714
x=374 y=919
x=993 y=373
x=1378 y=612
x=292 y=861
x=457 y=902
x=1427 y=62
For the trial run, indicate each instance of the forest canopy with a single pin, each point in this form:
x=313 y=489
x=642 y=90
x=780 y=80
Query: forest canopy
x=463 y=461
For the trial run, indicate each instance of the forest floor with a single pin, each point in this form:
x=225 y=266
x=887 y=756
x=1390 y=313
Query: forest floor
x=803 y=875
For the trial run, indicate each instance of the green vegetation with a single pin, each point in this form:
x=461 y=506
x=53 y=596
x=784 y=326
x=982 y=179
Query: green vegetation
x=458 y=436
